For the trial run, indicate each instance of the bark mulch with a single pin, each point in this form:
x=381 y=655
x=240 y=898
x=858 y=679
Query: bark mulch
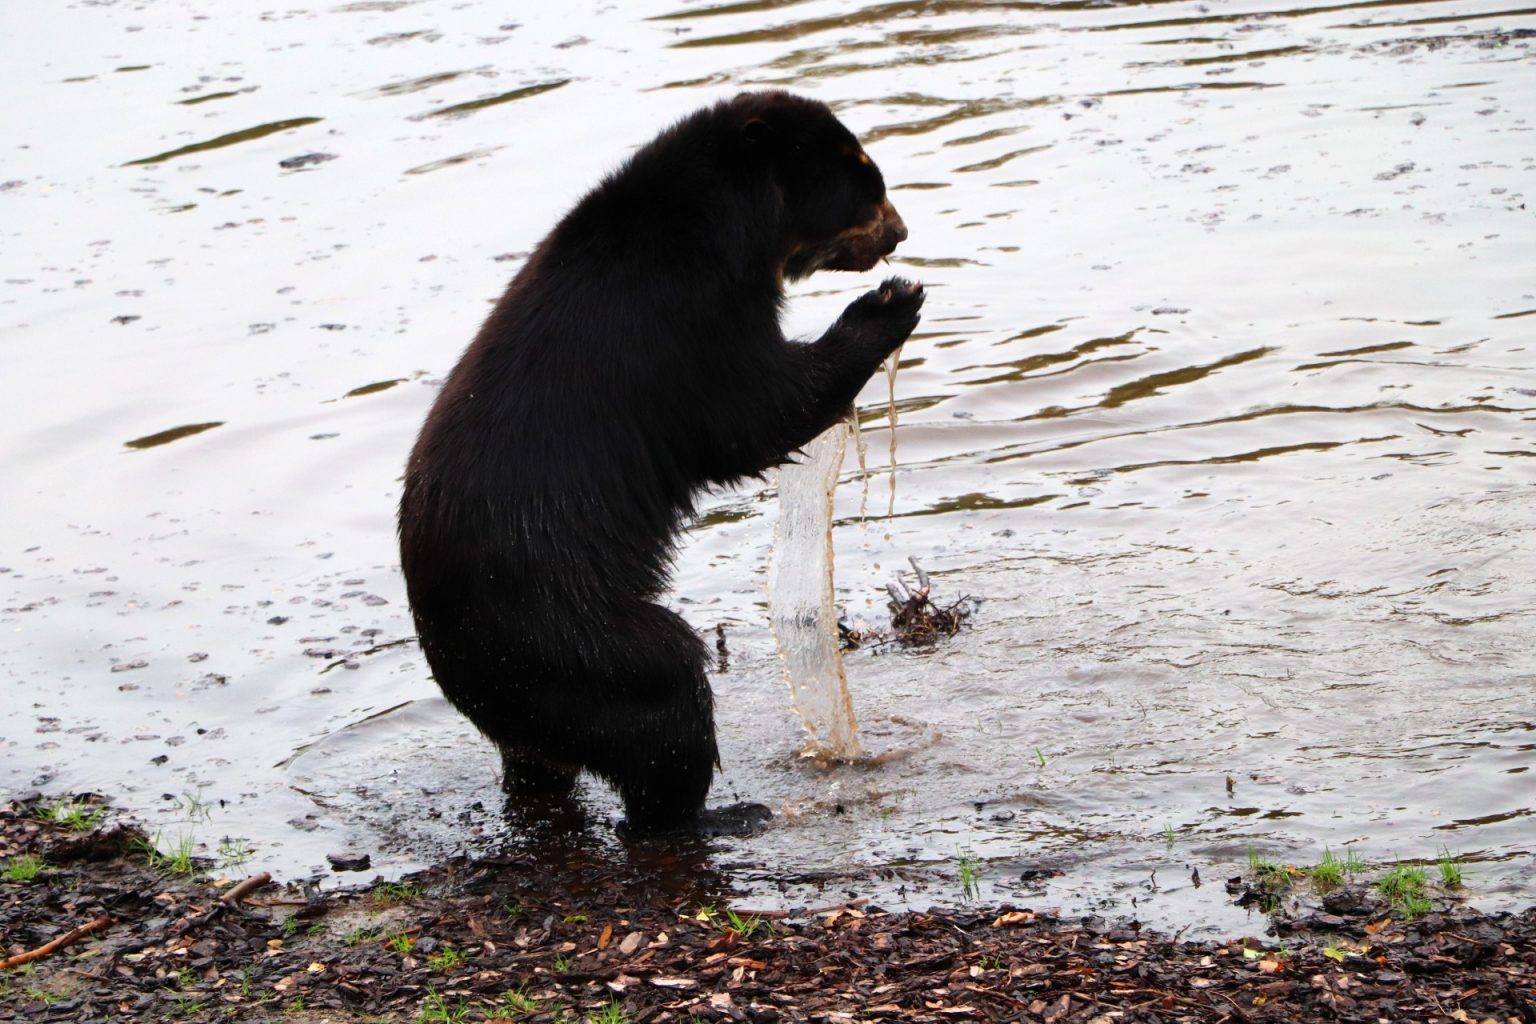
x=572 y=936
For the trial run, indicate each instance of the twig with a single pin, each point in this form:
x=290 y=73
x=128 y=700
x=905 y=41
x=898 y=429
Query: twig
x=57 y=944
x=375 y=649
x=811 y=912
x=245 y=888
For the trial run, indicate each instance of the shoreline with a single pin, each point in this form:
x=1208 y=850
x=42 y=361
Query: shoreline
x=551 y=939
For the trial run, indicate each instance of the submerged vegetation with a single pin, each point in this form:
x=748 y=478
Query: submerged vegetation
x=1403 y=888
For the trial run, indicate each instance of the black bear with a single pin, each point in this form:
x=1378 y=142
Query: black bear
x=635 y=360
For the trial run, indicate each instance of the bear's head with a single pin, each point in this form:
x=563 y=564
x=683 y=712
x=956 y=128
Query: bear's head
x=836 y=215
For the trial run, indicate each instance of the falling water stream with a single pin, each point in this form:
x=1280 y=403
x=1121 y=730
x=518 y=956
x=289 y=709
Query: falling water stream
x=802 y=595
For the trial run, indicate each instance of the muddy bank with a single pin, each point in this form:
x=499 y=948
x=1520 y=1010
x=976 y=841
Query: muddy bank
x=572 y=939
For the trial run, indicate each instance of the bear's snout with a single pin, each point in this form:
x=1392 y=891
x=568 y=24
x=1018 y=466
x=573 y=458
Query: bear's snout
x=857 y=248
x=891 y=225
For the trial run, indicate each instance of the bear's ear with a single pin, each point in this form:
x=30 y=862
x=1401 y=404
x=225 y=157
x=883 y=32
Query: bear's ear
x=759 y=136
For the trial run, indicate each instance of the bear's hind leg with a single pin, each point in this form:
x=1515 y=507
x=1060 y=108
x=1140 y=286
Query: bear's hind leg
x=667 y=761
x=528 y=773
x=648 y=724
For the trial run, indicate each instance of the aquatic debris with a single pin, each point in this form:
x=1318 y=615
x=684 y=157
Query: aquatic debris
x=916 y=621
x=305 y=160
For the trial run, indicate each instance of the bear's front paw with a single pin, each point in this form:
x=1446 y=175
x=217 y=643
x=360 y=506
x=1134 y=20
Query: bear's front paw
x=890 y=311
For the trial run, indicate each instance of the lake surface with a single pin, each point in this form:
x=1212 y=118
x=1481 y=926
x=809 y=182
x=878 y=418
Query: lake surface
x=1222 y=408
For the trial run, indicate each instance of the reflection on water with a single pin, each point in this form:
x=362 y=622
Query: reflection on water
x=230 y=139
x=1221 y=405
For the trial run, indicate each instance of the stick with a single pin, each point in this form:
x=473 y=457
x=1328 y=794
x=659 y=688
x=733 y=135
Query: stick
x=57 y=944
x=811 y=912
x=245 y=888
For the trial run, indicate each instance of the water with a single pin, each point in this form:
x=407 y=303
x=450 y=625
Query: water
x=1221 y=407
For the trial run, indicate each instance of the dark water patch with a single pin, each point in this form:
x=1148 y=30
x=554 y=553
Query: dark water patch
x=460 y=109
x=1330 y=363
x=452 y=161
x=1188 y=41
x=1387 y=347
x=1486 y=819
x=1449 y=19
x=233 y=138
x=1235 y=58
x=937 y=261
x=963 y=110
x=374 y=388
x=410 y=85
x=878 y=415
x=1153 y=385
x=995 y=133
x=742 y=7
x=195 y=100
x=973 y=502
x=380 y=6
x=132 y=67
x=724 y=515
x=303 y=160
x=793 y=30
x=1190 y=87
x=1056 y=412
x=1254 y=455
x=882 y=14
x=1044 y=329
x=1515 y=316
x=1256 y=16
x=898 y=62
x=167 y=436
x=393 y=38
x=998 y=161
x=1018 y=369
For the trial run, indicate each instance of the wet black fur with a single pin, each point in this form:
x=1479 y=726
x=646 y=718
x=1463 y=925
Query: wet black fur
x=636 y=359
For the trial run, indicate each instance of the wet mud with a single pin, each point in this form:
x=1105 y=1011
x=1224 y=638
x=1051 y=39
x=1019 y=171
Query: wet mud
x=659 y=936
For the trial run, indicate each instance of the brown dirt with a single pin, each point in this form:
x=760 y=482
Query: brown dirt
x=573 y=937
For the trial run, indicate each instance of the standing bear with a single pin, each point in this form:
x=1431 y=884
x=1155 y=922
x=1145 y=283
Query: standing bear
x=635 y=360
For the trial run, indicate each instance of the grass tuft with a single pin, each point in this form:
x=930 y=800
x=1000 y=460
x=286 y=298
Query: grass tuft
x=23 y=867
x=970 y=875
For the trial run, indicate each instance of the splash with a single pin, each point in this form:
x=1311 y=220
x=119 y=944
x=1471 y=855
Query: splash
x=801 y=584
x=801 y=600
